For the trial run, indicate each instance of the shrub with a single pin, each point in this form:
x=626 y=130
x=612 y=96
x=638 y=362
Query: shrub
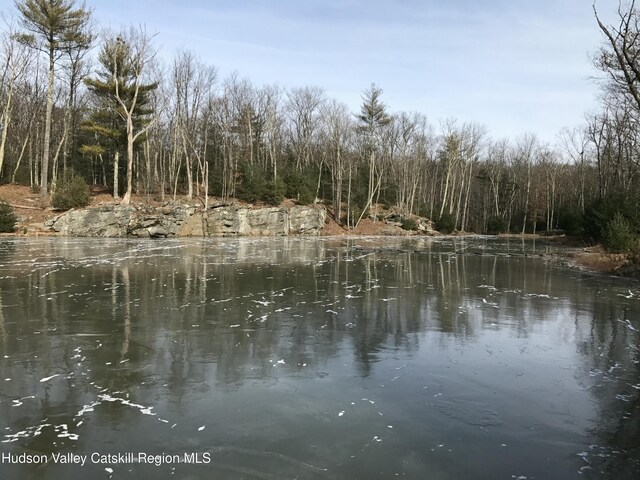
x=409 y=224
x=71 y=192
x=446 y=223
x=619 y=235
x=496 y=224
x=306 y=197
x=7 y=218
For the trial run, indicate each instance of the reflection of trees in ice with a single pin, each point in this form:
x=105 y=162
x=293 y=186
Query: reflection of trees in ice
x=609 y=345
x=295 y=297
x=169 y=318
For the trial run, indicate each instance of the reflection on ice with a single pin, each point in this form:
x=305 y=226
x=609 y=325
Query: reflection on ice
x=366 y=357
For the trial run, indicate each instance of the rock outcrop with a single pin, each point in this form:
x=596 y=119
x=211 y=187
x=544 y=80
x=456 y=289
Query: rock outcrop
x=304 y=222
x=229 y=221
x=187 y=221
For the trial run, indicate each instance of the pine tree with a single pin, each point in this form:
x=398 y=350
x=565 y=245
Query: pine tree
x=53 y=27
x=373 y=113
x=106 y=135
x=373 y=117
x=123 y=114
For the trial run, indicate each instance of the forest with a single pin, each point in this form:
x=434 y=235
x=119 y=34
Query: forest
x=106 y=109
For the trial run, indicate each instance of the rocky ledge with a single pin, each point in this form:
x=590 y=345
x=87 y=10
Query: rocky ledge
x=187 y=221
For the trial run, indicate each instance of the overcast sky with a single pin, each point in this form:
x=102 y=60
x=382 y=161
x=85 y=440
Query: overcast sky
x=514 y=65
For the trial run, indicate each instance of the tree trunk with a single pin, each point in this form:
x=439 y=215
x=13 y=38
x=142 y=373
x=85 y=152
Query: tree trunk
x=116 y=167
x=6 y=114
x=126 y=200
x=526 y=200
x=187 y=159
x=15 y=170
x=44 y=172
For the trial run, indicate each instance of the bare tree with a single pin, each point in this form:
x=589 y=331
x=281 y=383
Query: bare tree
x=526 y=147
x=273 y=125
x=620 y=57
x=414 y=141
x=336 y=132
x=16 y=59
x=303 y=106
x=193 y=84
x=574 y=144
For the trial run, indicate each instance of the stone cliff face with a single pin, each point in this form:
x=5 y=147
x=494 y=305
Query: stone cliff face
x=187 y=221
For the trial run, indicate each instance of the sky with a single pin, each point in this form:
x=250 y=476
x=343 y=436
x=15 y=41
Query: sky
x=516 y=66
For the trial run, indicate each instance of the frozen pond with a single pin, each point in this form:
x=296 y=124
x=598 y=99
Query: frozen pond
x=300 y=358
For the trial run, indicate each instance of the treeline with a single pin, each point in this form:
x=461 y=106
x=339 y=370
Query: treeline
x=130 y=123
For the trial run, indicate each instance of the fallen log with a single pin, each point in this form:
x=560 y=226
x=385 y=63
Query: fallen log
x=29 y=207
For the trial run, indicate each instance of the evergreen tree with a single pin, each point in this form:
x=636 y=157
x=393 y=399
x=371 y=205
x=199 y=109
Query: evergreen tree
x=373 y=117
x=105 y=135
x=123 y=113
x=54 y=27
x=373 y=113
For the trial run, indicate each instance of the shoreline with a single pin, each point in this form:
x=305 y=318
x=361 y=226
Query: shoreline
x=576 y=254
